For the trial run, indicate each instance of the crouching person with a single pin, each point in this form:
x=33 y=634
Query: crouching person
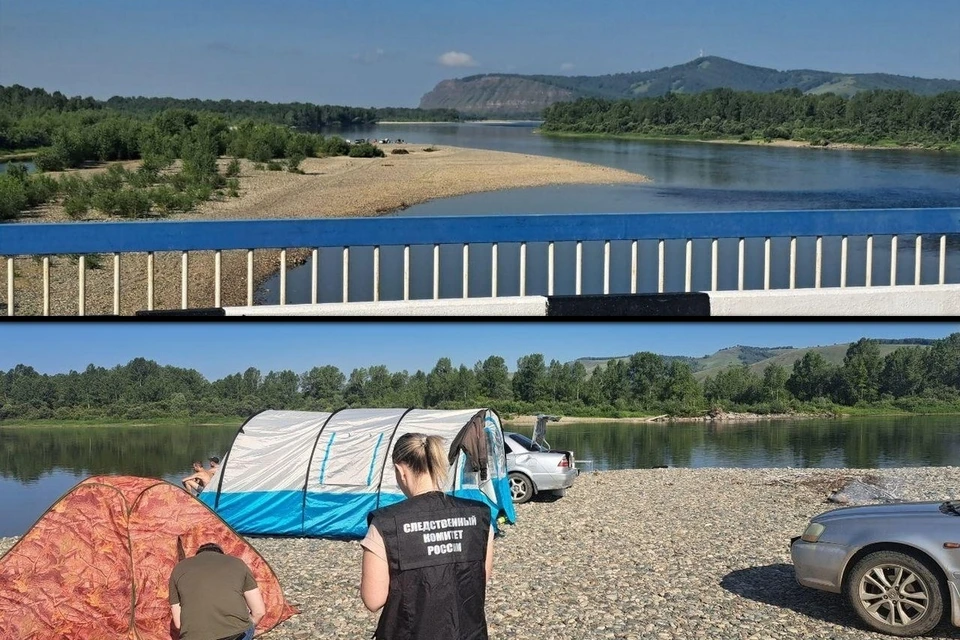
x=427 y=559
x=214 y=596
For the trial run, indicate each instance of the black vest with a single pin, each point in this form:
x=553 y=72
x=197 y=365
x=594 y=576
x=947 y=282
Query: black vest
x=436 y=547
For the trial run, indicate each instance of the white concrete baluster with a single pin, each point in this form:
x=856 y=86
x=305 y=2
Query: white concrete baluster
x=116 y=284
x=346 y=274
x=436 y=272
x=217 y=270
x=916 y=260
x=579 y=267
x=314 y=274
x=150 y=281
x=81 y=285
x=523 y=268
x=714 y=250
x=843 y=262
x=893 y=261
x=493 y=270
x=283 y=277
x=606 y=267
x=660 y=257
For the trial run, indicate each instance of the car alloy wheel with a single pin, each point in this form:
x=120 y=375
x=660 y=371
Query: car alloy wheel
x=521 y=489
x=895 y=593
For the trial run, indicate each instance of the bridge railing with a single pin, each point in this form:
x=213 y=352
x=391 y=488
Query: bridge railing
x=681 y=252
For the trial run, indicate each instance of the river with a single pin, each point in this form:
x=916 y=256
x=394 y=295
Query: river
x=686 y=176
x=39 y=464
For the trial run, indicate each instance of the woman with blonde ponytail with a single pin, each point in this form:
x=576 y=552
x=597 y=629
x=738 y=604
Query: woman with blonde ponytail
x=427 y=559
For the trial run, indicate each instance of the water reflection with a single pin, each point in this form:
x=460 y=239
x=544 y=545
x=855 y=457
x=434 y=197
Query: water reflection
x=38 y=465
x=686 y=177
x=851 y=443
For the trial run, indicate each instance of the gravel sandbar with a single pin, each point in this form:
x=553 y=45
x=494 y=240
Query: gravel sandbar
x=658 y=553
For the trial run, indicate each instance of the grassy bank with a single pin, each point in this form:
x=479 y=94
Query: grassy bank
x=881 y=145
x=197 y=421
x=22 y=155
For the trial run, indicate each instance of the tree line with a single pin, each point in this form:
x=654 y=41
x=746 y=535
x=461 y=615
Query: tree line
x=19 y=105
x=868 y=117
x=158 y=187
x=909 y=378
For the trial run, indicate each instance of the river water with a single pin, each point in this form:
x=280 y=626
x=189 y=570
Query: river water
x=39 y=464
x=686 y=177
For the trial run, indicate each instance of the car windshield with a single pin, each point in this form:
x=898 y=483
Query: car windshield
x=527 y=443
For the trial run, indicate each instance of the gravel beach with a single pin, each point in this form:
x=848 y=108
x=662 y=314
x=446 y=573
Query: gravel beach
x=659 y=553
x=329 y=187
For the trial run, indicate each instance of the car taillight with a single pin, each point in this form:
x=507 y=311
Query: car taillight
x=563 y=462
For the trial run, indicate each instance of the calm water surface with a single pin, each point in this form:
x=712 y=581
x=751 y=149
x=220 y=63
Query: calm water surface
x=686 y=177
x=38 y=465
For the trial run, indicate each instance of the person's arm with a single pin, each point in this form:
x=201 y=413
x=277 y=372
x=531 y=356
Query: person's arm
x=173 y=595
x=255 y=603
x=374 y=581
x=194 y=476
x=488 y=564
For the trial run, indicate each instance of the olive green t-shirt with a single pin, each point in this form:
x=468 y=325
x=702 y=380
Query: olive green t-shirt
x=209 y=588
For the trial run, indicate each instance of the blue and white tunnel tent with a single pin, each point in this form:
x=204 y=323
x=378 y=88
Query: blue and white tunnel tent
x=307 y=473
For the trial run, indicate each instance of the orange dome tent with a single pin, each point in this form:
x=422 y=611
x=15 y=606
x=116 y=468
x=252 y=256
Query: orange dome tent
x=96 y=565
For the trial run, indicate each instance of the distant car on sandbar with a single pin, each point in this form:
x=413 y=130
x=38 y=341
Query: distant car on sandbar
x=533 y=467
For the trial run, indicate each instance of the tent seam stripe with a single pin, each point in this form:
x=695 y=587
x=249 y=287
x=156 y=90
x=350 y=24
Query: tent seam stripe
x=306 y=475
x=376 y=448
x=326 y=456
x=385 y=458
x=226 y=458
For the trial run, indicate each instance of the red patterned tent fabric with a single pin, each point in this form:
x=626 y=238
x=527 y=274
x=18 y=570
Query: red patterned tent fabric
x=96 y=565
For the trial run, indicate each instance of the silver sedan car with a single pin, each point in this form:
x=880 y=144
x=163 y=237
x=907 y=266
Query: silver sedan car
x=532 y=468
x=897 y=564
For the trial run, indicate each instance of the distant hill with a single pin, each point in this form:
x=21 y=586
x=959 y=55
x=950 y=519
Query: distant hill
x=757 y=358
x=513 y=95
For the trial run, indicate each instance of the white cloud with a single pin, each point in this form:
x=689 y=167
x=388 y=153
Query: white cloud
x=566 y=66
x=369 y=57
x=457 y=59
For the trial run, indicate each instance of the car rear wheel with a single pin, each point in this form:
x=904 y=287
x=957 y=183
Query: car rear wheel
x=521 y=489
x=895 y=593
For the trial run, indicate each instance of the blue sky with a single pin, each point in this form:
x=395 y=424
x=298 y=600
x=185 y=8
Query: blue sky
x=219 y=349
x=389 y=53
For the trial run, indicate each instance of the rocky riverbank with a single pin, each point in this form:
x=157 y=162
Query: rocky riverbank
x=659 y=553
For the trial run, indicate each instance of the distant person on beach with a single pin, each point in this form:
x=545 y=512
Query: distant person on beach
x=214 y=595
x=199 y=479
x=427 y=559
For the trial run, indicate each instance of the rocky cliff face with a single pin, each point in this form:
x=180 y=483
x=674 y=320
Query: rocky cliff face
x=504 y=95
x=495 y=95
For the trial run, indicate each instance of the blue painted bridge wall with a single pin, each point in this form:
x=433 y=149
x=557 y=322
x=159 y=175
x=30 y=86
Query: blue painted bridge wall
x=143 y=236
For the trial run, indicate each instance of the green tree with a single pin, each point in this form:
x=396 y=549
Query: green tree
x=441 y=383
x=860 y=373
x=529 y=381
x=903 y=372
x=774 y=385
x=943 y=363
x=324 y=384
x=646 y=373
x=811 y=377
x=493 y=378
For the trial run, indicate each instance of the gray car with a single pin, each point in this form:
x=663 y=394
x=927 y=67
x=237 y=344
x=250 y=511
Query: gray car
x=897 y=564
x=532 y=468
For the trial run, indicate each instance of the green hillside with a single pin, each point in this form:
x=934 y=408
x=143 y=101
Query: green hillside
x=757 y=358
x=515 y=95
